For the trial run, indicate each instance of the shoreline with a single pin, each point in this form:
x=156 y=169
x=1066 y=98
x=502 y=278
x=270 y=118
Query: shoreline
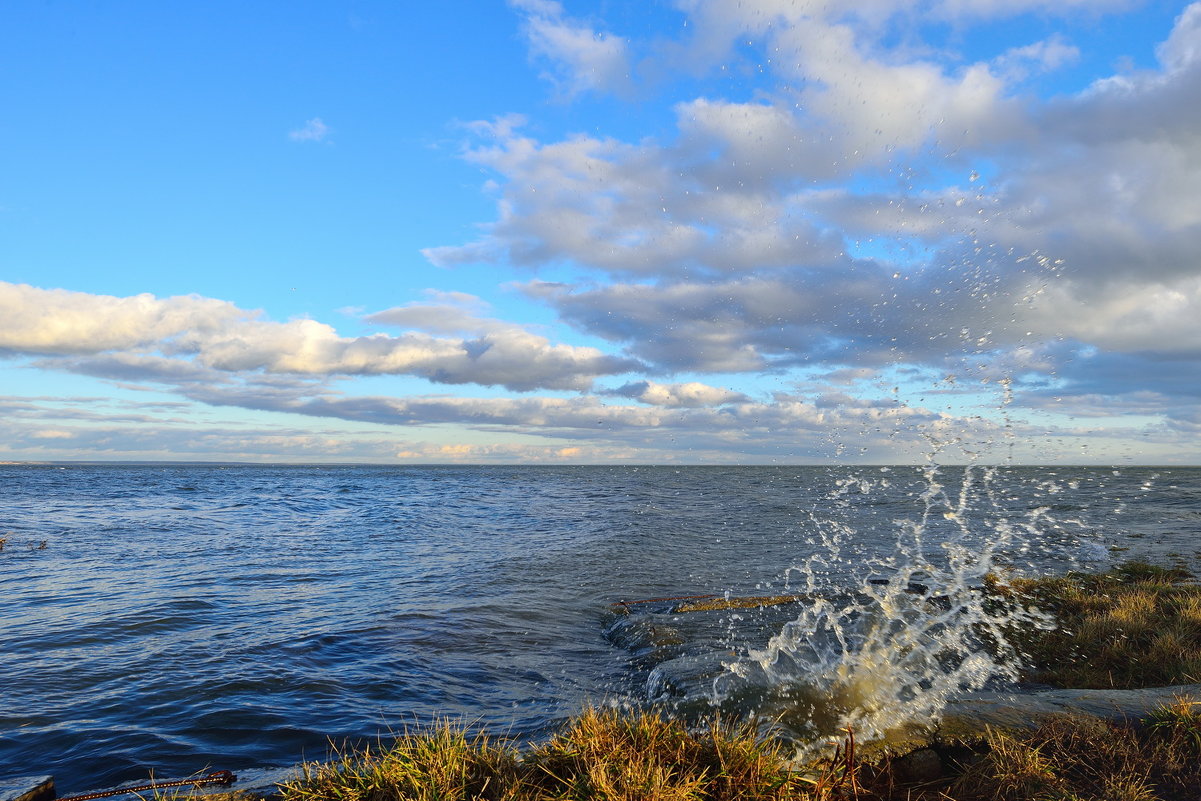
x=1131 y=601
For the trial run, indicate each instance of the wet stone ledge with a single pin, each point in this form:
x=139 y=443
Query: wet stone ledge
x=27 y=788
x=261 y=783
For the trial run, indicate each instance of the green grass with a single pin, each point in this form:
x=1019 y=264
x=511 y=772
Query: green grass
x=1135 y=626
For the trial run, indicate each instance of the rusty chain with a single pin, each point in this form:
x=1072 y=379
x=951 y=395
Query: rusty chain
x=223 y=777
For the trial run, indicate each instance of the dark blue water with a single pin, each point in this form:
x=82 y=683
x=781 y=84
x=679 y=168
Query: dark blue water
x=188 y=617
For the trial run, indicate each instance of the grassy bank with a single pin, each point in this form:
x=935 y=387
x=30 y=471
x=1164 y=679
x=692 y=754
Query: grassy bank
x=599 y=755
x=1135 y=626
x=604 y=755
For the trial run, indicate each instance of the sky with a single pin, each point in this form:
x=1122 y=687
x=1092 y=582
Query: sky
x=617 y=231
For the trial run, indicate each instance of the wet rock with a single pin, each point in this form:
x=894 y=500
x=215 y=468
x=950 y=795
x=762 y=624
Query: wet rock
x=259 y=784
x=635 y=634
x=965 y=719
x=263 y=783
x=689 y=676
x=918 y=767
x=27 y=788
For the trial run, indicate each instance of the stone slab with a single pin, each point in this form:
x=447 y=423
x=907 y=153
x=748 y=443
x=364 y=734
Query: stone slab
x=257 y=783
x=261 y=783
x=967 y=718
x=27 y=788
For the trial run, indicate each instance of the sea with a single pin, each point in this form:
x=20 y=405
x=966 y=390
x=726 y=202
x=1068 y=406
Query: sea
x=164 y=619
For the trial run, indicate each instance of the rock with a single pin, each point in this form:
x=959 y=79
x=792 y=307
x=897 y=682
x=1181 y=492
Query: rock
x=918 y=767
x=259 y=784
x=27 y=788
x=255 y=784
x=965 y=719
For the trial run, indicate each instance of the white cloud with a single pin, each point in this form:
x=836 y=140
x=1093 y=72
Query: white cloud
x=1019 y=63
x=1125 y=316
x=313 y=130
x=49 y=321
x=745 y=241
x=1182 y=49
x=689 y=395
x=585 y=59
x=999 y=9
x=195 y=331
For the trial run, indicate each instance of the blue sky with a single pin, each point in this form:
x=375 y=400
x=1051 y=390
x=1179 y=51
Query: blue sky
x=539 y=231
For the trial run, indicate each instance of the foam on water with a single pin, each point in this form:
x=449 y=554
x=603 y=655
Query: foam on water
x=884 y=652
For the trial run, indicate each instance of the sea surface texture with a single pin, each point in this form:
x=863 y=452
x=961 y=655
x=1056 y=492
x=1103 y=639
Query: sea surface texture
x=174 y=619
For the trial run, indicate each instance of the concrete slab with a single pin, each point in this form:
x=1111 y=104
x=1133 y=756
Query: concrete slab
x=968 y=717
x=27 y=788
x=261 y=783
x=258 y=783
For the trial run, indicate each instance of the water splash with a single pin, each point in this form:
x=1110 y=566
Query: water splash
x=885 y=652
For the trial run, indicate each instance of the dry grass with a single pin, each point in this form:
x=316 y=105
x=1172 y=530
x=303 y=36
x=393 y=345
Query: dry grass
x=444 y=763
x=1085 y=759
x=607 y=756
x=600 y=755
x=603 y=754
x=1180 y=721
x=753 y=602
x=1135 y=626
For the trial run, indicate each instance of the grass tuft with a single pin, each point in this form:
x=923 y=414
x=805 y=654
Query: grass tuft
x=1082 y=759
x=1180 y=722
x=601 y=754
x=1137 y=625
x=444 y=763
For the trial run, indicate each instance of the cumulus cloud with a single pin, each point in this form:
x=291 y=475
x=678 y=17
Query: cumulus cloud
x=995 y=9
x=692 y=394
x=877 y=208
x=733 y=190
x=813 y=225
x=48 y=321
x=582 y=58
x=185 y=333
x=444 y=313
x=787 y=424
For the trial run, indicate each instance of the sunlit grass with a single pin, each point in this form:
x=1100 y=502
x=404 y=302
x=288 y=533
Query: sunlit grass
x=601 y=754
x=446 y=762
x=1135 y=626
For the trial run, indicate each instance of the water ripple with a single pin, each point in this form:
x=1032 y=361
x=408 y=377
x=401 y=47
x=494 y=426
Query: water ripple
x=182 y=616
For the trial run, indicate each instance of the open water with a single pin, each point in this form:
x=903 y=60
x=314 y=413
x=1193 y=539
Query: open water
x=183 y=618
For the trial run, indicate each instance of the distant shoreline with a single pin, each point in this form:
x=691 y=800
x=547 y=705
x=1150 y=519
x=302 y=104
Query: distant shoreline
x=632 y=465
